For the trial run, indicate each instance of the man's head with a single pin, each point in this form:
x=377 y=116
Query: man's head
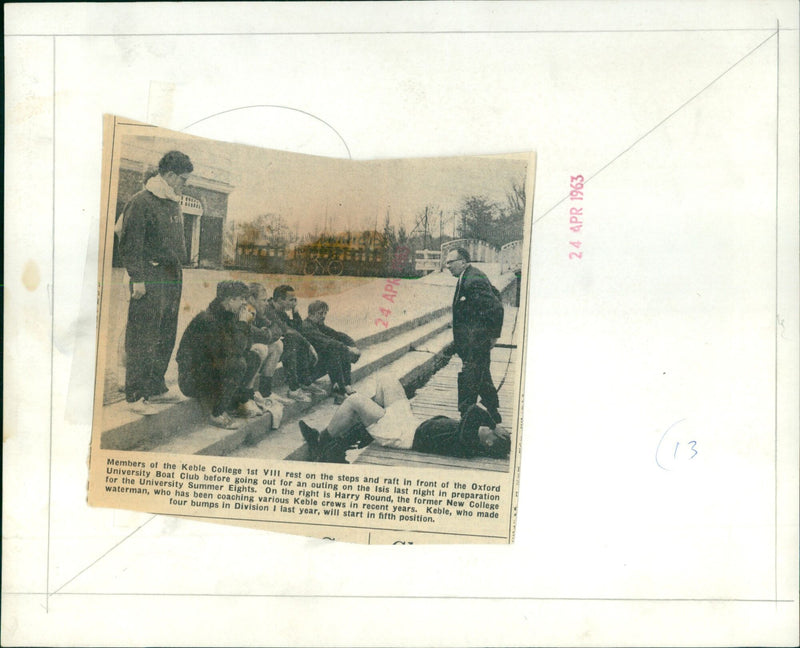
x=284 y=298
x=232 y=295
x=175 y=168
x=494 y=442
x=456 y=260
x=258 y=298
x=317 y=310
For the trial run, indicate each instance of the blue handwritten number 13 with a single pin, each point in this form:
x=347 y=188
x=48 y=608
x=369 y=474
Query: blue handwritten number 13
x=692 y=444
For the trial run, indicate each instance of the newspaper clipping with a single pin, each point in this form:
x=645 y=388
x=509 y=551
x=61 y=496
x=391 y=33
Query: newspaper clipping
x=325 y=347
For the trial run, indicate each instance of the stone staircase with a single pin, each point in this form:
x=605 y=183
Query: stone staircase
x=183 y=428
x=412 y=349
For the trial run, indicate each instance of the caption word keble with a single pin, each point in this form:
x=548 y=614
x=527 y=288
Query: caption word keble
x=575 y=213
x=287 y=492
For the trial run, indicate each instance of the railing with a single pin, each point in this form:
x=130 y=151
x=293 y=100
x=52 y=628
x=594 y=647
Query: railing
x=427 y=260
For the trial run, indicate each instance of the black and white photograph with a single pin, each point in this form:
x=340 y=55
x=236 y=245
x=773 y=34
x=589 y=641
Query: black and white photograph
x=401 y=323
x=262 y=305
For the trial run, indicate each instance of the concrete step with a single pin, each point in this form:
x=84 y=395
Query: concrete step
x=183 y=428
x=125 y=430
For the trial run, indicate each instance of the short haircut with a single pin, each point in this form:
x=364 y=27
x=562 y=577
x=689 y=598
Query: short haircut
x=175 y=161
x=281 y=291
x=462 y=254
x=256 y=290
x=317 y=306
x=230 y=289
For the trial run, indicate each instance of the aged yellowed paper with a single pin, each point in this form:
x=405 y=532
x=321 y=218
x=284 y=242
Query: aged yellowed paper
x=331 y=346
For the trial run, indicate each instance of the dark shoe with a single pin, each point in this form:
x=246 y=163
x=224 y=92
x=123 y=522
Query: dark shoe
x=331 y=450
x=311 y=437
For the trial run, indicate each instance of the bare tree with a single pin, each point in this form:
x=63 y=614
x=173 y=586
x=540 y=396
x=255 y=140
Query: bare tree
x=266 y=229
x=515 y=198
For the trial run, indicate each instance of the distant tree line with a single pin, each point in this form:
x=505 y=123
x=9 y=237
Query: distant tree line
x=476 y=217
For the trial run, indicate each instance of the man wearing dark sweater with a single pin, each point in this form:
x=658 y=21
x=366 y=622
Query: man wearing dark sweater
x=151 y=244
x=215 y=360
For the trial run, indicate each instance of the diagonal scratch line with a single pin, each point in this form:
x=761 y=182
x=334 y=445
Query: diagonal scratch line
x=97 y=560
x=672 y=114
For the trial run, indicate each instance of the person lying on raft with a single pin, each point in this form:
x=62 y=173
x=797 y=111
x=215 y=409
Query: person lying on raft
x=387 y=419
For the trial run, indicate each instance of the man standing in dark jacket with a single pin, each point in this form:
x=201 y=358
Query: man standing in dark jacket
x=336 y=350
x=477 y=323
x=151 y=244
x=215 y=362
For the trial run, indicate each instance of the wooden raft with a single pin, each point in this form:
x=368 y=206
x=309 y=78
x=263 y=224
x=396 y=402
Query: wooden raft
x=439 y=397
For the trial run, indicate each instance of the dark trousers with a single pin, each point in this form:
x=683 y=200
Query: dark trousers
x=150 y=337
x=296 y=360
x=221 y=385
x=475 y=378
x=335 y=363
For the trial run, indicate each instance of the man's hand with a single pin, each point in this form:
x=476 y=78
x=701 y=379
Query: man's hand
x=138 y=290
x=354 y=352
x=492 y=342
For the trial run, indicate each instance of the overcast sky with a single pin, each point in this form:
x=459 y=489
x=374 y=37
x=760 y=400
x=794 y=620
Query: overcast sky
x=315 y=193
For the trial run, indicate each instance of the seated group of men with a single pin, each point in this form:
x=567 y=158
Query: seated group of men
x=229 y=353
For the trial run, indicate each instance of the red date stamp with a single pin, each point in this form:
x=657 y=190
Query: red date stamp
x=391 y=288
x=576 y=213
x=389 y=293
